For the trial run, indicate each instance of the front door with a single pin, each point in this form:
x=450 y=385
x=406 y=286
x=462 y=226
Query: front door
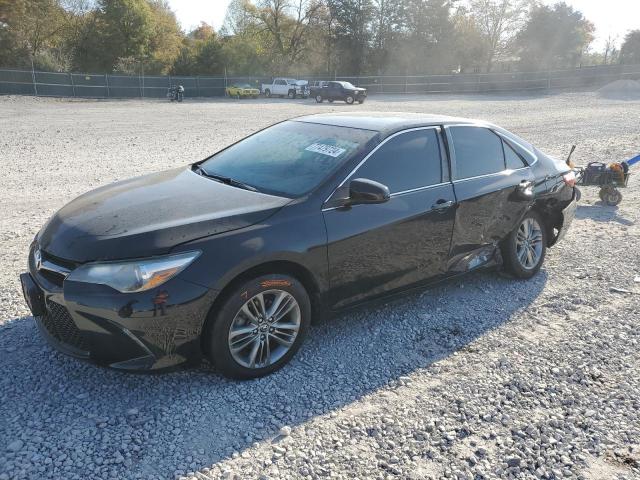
x=375 y=249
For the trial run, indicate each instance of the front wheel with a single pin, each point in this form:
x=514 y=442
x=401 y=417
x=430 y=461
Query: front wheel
x=523 y=251
x=349 y=99
x=291 y=94
x=267 y=93
x=260 y=326
x=360 y=102
x=319 y=98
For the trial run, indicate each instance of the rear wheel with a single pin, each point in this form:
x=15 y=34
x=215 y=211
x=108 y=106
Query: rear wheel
x=612 y=197
x=267 y=93
x=523 y=251
x=260 y=326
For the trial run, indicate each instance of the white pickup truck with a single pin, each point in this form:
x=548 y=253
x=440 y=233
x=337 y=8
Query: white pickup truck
x=286 y=87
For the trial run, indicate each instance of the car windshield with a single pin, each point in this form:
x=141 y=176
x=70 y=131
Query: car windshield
x=290 y=158
x=347 y=84
x=245 y=85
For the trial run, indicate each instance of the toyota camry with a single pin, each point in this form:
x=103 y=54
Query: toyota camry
x=231 y=258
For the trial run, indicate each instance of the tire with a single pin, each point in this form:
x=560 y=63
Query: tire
x=612 y=197
x=291 y=94
x=330 y=100
x=516 y=255
x=349 y=99
x=360 y=102
x=319 y=98
x=237 y=321
x=602 y=193
x=267 y=93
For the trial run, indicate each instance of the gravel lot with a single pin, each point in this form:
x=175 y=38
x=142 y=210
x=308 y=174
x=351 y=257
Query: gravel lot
x=483 y=377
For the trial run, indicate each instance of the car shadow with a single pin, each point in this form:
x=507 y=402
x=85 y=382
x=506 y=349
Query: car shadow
x=601 y=212
x=173 y=423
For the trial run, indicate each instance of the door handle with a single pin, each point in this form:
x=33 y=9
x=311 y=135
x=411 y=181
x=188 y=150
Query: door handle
x=442 y=204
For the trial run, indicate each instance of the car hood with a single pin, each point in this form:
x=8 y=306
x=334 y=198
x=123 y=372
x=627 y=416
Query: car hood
x=149 y=215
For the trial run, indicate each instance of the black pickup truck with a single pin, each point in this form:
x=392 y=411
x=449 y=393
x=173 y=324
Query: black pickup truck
x=335 y=90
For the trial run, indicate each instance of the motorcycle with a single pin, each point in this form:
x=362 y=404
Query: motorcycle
x=175 y=93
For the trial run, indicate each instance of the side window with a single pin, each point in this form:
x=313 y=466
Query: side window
x=409 y=160
x=512 y=159
x=478 y=151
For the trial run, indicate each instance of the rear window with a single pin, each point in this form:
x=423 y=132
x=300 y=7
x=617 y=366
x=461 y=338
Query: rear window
x=512 y=159
x=478 y=151
x=290 y=158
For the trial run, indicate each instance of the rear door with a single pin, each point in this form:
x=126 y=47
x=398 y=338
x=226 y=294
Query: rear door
x=486 y=174
x=334 y=90
x=374 y=249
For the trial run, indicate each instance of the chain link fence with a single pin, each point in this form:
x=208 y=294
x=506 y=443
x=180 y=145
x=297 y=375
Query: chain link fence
x=85 y=85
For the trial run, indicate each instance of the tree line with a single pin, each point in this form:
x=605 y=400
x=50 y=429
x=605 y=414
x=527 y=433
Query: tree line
x=322 y=37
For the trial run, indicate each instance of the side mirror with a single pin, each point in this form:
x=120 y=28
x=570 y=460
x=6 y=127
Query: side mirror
x=363 y=190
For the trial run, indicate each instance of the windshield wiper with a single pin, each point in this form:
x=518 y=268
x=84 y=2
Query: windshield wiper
x=226 y=180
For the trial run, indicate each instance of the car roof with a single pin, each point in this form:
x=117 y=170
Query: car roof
x=385 y=122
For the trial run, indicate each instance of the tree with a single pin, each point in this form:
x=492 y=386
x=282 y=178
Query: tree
x=202 y=53
x=630 y=50
x=351 y=34
x=127 y=29
x=498 y=21
x=28 y=28
x=610 y=50
x=288 y=24
x=388 y=23
x=554 y=37
x=470 y=48
x=430 y=35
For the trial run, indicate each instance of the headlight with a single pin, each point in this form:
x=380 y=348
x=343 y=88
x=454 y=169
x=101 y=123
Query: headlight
x=136 y=275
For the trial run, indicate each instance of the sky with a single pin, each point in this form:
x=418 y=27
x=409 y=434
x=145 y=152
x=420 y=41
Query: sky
x=611 y=17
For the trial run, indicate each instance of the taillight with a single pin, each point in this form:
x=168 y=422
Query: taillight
x=569 y=179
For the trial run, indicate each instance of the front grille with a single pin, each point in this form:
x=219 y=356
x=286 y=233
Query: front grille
x=60 y=326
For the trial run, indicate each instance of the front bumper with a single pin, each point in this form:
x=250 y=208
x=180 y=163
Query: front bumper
x=153 y=330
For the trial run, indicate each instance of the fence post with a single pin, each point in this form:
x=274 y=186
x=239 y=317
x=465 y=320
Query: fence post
x=197 y=86
x=106 y=82
x=33 y=79
x=73 y=87
x=548 y=79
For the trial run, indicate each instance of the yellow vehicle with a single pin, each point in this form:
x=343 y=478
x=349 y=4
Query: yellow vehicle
x=242 y=90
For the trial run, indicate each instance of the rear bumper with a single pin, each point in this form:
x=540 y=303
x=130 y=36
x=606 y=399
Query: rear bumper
x=568 y=214
x=148 y=331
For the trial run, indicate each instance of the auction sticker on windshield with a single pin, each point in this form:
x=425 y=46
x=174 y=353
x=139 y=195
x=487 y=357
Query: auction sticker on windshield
x=330 y=150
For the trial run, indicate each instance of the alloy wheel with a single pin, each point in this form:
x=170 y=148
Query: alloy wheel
x=264 y=329
x=529 y=243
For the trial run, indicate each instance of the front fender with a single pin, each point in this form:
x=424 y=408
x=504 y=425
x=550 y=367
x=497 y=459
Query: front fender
x=299 y=239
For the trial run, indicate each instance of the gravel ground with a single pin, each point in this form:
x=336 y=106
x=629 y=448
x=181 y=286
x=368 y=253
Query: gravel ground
x=483 y=377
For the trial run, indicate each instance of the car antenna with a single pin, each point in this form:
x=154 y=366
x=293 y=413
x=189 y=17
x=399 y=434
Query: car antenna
x=573 y=147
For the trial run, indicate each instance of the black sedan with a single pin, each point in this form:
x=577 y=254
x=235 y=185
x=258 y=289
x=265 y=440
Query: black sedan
x=344 y=91
x=233 y=256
